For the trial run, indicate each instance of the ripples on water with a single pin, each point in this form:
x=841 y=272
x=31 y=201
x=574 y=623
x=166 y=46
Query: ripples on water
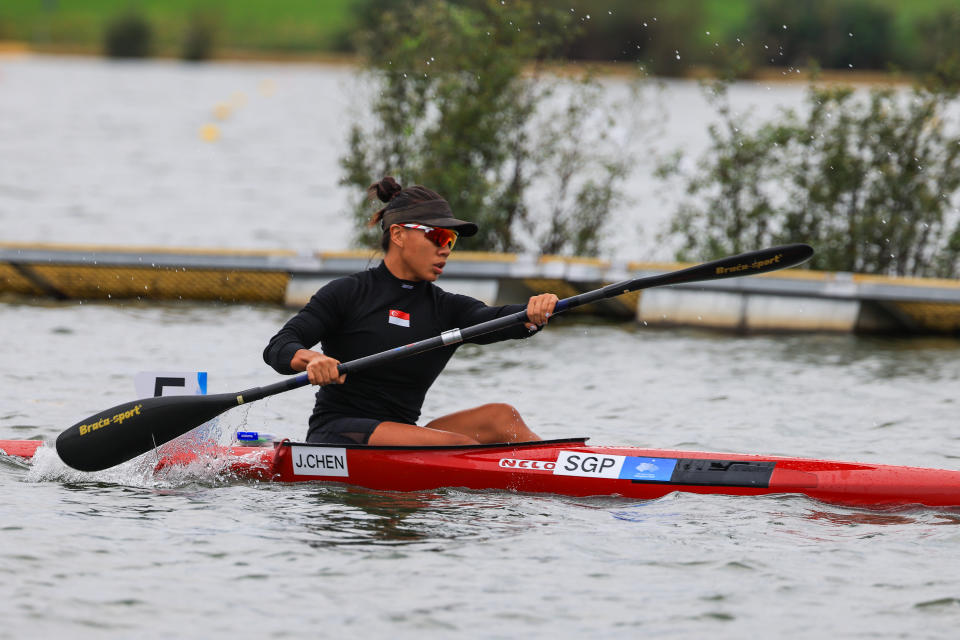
x=108 y=554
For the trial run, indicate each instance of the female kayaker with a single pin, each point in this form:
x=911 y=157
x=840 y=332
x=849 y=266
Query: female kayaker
x=392 y=305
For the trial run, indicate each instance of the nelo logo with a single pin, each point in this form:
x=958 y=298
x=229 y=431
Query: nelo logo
x=534 y=465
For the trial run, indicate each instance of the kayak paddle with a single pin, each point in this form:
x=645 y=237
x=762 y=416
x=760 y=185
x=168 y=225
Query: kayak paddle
x=127 y=430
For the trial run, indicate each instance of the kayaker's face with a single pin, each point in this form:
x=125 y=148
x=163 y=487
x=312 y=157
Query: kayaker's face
x=421 y=258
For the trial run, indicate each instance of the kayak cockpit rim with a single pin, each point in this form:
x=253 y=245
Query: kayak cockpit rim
x=450 y=447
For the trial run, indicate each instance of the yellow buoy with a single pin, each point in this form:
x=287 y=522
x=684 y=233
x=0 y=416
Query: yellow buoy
x=222 y=111
x=209 y=133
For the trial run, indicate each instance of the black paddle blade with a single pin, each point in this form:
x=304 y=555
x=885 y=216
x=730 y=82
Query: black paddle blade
x=745 y=264
x=127 y=430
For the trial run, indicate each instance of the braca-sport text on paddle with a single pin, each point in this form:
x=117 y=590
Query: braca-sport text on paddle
x=123 y=432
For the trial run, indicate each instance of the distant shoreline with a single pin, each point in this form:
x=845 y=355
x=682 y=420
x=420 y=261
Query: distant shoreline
x=9 y=48
x=15 y=48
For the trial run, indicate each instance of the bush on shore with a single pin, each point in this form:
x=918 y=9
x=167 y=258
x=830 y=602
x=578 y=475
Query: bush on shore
x=739 y=37
x=199 y=39
x=457 y=109
x=871 y=183
x=129 y=35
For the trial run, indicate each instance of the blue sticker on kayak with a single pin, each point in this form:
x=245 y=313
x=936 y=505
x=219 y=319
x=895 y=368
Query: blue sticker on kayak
x=649 y=469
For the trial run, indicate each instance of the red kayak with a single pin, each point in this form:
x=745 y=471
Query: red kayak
x=573 y=468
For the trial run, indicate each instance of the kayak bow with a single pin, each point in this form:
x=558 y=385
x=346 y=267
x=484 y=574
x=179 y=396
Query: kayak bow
x=573 y=468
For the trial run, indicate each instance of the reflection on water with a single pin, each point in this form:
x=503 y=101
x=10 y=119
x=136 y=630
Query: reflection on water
x=942 y=516
x=350 y=516
x=854 y=519
x=898 y=524
x=875 y=357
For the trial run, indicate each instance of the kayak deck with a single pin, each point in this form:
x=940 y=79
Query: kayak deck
x=571 y=467
x=20 y=448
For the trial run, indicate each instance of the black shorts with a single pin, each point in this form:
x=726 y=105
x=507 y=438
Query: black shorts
x=341 y=429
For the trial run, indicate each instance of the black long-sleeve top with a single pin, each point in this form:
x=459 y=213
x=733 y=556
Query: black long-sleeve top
x=370 y=312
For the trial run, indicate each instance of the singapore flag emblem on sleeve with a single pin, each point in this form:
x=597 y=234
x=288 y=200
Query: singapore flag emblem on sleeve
x=399 y=318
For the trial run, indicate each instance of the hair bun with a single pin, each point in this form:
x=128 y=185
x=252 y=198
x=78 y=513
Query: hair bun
x=385 y=190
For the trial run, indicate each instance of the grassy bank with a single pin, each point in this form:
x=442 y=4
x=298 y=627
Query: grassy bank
x=707 y=32
x=289 y=26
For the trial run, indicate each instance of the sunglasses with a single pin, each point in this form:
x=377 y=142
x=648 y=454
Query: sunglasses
x=436 y=235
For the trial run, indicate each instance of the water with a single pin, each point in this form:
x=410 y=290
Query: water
x=116 y=553
x=99 y=152
x=110 y=152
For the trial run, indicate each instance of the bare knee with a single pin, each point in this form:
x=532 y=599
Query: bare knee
x=502 y=423
x=502 y=411
x=494 y=422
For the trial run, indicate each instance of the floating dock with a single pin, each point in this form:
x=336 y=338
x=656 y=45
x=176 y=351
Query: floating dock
x=790 y=300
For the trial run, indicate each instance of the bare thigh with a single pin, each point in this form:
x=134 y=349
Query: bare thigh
x=400 y=434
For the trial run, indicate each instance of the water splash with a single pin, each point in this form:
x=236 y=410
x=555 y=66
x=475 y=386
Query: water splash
x=46 y=466
x=207 y=466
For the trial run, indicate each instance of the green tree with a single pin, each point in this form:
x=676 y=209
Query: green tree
x=837 y=35
x=199 y=38
x=128 y=36
x=935 y=48
x=869 y=183
x=462 y=106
